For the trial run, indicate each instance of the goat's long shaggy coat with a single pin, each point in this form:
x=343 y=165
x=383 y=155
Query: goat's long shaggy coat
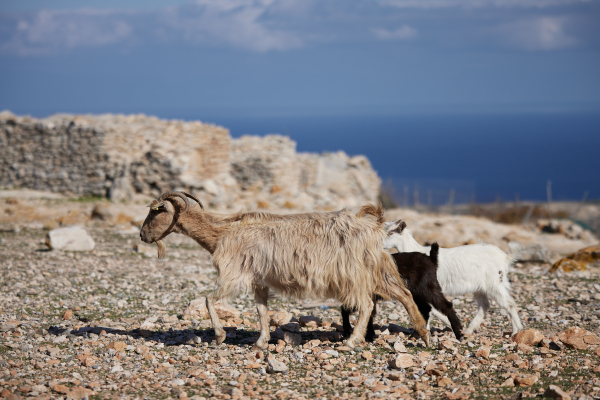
x=312 y=255
x=320 y=256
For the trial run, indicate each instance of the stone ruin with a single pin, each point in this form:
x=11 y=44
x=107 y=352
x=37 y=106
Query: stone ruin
x=120 y=156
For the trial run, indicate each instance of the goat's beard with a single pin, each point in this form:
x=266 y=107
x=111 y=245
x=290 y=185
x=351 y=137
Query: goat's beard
x=161 y=249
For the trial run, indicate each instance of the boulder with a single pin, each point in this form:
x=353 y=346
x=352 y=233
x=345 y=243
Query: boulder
x=578 y=338
x=578 y=261
x=72 y=238
x=197 y=309
x=529 y=337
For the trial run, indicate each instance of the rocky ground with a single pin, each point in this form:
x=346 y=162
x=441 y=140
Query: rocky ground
x=109 y=323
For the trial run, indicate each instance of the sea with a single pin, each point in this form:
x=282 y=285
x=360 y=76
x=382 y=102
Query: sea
x=433 y=159
x=436 y=158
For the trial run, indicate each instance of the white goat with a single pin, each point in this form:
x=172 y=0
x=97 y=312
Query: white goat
x=478 y=269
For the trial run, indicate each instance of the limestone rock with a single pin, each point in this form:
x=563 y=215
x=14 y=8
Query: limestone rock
x=197 y=309
x=399 y=347
x=72 y=238
x=484 y=352
x=291 y=327
x=578 y=338
x=117 y=346
x=309 y=321
x=120 y=156
x=529 y=337
x=398 y=361
x=102 y=212
x=275 y=366
x=578 y=261
x=294 y=339
x=525 y=380
x=554 y=392
x=280 y=318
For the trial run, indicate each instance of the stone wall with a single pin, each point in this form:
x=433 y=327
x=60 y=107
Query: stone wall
x=118 y=156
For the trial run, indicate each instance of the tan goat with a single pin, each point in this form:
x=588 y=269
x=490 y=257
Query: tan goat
x=316 y=255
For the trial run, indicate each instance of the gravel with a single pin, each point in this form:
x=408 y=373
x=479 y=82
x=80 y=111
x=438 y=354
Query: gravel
x=125 y=336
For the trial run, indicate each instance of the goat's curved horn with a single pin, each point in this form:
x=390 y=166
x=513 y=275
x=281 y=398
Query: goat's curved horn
x=195 y=199
x=166 y=195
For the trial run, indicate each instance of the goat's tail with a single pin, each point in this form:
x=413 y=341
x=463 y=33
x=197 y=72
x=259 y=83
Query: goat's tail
x=376 y=211
x=433 y=253
x=506 y=267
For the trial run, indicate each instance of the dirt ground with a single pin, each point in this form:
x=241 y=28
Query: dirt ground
x=124 y=336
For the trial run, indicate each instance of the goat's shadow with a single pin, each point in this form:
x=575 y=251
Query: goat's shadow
x=179 y=337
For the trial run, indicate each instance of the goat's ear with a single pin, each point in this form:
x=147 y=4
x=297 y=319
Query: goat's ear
x=157 y=206
x=401 y=226
x=396 y=227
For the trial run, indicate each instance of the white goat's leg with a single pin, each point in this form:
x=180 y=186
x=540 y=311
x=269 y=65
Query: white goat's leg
x=261 y=296
x=358 y=335
x=439 y=315
x=505 y=301
x=214 y=318
x=483 y=305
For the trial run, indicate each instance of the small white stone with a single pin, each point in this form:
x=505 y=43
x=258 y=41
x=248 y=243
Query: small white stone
x=116 y=368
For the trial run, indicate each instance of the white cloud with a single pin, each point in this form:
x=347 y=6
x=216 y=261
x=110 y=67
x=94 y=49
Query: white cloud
x=50 y=31
x=403 y=33
x=238 y=23
x=279 y=25
x=540 y=33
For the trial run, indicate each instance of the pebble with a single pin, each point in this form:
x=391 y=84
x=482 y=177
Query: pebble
x=398 y=361
x=275 y=366
x=112 y=350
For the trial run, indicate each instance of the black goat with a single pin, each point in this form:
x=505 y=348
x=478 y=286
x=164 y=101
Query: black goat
x=419 y=272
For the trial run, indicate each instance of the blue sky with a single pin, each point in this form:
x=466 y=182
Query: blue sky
x=270 y=56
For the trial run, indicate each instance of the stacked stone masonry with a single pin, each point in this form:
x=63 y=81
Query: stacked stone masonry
x=119 y=156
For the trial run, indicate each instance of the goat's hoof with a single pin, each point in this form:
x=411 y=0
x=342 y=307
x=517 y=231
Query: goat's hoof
x=220 y=338
x=350 y=343
x=424 y=334
x=259 y=345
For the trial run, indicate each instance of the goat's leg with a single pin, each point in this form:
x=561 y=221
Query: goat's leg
x=418 y=322
x=370 y=336
x=505 y=301
x=261 y=296
x=214 y=318
x=483 y=305
x=364 y=312
x=423 y=306
x=346 y=321
x=442 y=304
x=441 y=317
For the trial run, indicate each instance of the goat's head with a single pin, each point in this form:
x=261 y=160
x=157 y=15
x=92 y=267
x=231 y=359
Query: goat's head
x=162 y=218
x=394 y=232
